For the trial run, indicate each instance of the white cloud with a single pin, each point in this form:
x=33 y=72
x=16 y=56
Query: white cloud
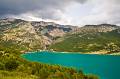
x=75 y=12
x=104 y=11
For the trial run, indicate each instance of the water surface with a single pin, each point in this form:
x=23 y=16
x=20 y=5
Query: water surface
x=105 y=66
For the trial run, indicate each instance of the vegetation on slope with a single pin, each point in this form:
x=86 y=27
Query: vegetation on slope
x=14 y=67
x=89 y=42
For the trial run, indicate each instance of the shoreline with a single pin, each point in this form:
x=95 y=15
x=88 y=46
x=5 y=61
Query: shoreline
x=89 y=53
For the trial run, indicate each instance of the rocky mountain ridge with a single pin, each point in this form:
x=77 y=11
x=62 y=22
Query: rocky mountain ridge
x=40 y=35
x=30 y=33
x=97 y=28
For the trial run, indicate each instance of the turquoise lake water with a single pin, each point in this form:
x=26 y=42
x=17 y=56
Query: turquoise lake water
x=105 y=66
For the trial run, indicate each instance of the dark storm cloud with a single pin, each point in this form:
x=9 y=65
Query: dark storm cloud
x=41 y=8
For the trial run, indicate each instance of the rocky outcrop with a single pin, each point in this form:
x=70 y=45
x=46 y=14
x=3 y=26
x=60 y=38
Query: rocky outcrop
x=24 y=34
x=30 y=33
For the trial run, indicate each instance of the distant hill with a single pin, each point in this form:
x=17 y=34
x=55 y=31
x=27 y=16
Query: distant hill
x=97 y=39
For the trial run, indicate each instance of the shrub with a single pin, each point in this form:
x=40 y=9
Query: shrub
x=11 y=65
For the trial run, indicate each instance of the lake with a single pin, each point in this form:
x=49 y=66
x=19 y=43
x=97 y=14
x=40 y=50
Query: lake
x=105 y=66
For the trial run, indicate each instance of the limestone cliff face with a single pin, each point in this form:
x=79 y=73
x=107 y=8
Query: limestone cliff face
x=30 y=33
x=50 y=31
x=24 y=34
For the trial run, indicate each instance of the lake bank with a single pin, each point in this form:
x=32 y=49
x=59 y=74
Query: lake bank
x=103 y=65
x=91 y=53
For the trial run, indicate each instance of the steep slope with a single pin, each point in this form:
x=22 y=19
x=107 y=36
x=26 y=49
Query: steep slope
x=91 y=40
x=50 y=31
x=23 y=33
x=30 y=35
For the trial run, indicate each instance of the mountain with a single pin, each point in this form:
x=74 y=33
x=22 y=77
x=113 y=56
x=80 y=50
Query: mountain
x=35 y=35
x=96 y=39
x=29 y=35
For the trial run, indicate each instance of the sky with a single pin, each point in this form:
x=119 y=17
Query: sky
x=70 y=12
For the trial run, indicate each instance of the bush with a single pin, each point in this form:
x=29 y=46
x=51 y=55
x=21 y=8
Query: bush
x=1 y=66
x=11 y=65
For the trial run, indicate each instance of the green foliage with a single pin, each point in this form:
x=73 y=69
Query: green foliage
x=14 y=67
x=11 y=65
x=15 y=75
x=1 y=66
x=87 y=42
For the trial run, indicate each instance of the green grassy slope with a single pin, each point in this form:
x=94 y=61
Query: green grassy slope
x=87 y=42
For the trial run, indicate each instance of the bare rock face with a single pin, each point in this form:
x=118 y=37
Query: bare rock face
x=57 y=33
x=31 y=34
x=23 y=34
x=50 y=31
